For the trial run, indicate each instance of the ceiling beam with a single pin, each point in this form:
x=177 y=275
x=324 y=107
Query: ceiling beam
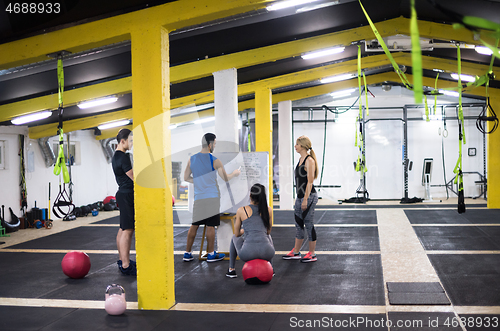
x=173 y=15
x=71 y=97
x=49 y=130
x=205 y=68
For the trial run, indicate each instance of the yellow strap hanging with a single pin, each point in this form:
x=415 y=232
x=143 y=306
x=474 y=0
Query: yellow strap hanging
x=366 y=96
x=359 y=83
x=427 y=119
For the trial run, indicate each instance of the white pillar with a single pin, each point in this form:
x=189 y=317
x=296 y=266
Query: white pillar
x=226 y=110
x=286 y=144
x=226 y=130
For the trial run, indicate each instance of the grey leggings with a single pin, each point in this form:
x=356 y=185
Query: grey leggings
x=250 y=250
x=305 y=218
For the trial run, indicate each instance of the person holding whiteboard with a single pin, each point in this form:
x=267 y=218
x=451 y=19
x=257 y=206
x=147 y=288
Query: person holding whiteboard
x=253 y=231
x=201 y=170
x=305 y=173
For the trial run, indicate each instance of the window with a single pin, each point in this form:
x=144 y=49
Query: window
x=2 y=154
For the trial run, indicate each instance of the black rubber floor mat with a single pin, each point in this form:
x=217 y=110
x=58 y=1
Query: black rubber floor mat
x=428 y=293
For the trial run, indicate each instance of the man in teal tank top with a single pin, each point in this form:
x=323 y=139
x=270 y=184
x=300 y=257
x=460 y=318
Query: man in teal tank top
x=202 y=170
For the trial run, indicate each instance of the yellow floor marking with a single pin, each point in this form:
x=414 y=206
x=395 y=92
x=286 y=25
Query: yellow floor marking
x=462 y=252
x=111 y=251
x=484 y=224
x=273 y=308
x=255 y=308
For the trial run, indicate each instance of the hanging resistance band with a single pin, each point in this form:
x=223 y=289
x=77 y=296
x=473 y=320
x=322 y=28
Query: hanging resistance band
x=62 y=199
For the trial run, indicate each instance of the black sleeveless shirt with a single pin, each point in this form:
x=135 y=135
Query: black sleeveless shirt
x=301 y=179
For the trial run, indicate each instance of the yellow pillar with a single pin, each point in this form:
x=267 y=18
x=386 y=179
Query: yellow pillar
x=152 y=167
x=264 y=131
x=493 y=158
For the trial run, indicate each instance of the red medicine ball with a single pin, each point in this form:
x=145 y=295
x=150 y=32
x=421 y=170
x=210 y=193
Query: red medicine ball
x=75 y=264
x=257 y=272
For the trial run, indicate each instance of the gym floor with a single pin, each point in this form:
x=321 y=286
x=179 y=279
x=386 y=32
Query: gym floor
x=421 y=266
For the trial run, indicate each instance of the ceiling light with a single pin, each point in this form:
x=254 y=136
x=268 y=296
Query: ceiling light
x=449 y=93
x=113 y=124
x=336 y=78
x=97 y=102
x=314 y=7
x=465 y=78
x=288 y=4
x=483 y=50
x=323 y=52
x=31 y=117
x=172 y=126
x=438 y=70
x=204 y=120
x=343 y=93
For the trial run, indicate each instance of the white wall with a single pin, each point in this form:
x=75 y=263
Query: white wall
x=10 y=195
x=186 y=140
x=384 y=148
x=93 y=178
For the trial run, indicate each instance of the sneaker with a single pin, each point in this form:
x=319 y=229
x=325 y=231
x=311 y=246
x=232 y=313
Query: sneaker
x=231 y=274
x=292 y=256
x=215 y=257
x=309 y=258
x=133 y=262
x=130 y=271
x=188 y=257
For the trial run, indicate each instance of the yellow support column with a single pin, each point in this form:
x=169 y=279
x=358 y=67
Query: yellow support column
x=264 y=131
x=152 y=167
x=493 y=158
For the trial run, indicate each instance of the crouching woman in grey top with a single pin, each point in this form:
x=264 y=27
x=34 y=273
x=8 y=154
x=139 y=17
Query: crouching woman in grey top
x=253 y=231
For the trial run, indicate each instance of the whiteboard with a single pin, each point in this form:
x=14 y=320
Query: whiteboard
x=236 y=193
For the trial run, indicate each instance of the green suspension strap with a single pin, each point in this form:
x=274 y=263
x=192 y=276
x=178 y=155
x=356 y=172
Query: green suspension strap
x=400 y=73
x=459 y=178
x=359 y=82
x=435 y=95
x=416 y=57
x=427 y=119
x=366 y=96
x=61 y=162
x=63 y=204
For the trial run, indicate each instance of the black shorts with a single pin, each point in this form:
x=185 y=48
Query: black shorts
x=125 y=201
x=206 y=211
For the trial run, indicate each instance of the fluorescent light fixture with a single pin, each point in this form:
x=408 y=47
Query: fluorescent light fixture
x=483 y=50
x=288 y=4
x=314 y=7
x=438 y=70
x=31 y=117
x=97 y=102
x=323 y=52
x=172 y=126
x=449 y=93
x=113 y=124
x=204 y=120
x=465 y=78
x=343 y=93
x=336 y=78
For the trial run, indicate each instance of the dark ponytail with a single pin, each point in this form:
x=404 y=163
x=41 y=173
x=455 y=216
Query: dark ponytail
x=258 y=195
